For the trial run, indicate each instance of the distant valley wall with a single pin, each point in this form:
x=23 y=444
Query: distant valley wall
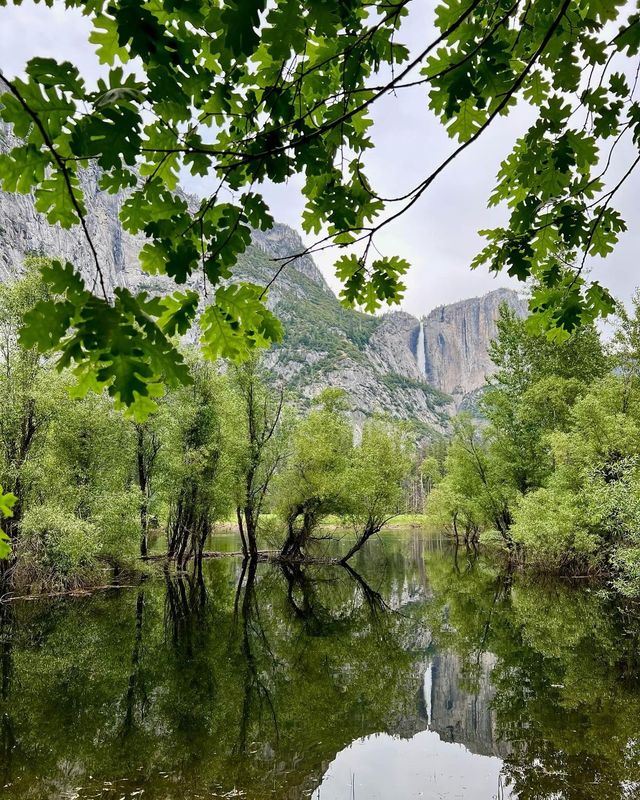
x=395 y=364
x=457 y=337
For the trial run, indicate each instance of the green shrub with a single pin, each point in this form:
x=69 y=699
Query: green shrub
x=626 y=560
x=550 y=524
x=116 y=517
x=59 y=542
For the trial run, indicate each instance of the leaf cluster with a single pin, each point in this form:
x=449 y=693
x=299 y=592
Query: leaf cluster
x=247 y=92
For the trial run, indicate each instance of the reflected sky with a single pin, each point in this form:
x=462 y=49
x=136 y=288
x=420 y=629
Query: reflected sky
x=383 y=767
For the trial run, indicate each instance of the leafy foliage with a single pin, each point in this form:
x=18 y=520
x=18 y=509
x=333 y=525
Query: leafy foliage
x=95 y=485
x=7 y=501
x=251 y=92
x=374 y=480
x=556 y=469
x=312 y=484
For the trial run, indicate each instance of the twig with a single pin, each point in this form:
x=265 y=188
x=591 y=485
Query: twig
x=63 y=169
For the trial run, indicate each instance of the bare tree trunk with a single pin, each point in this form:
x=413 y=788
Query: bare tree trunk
x=245 y=549
x=248 y=525
x=370 y=529
x=297 y=536
x=251 y=530
x=144 y=488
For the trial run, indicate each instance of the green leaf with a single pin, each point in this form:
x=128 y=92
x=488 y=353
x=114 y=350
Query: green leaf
x=110 y=136
x=22 y=167
x=55 y=199
x=7 y=502
x=119 y=346
x=467 y=121
x=257 y=211
x=5 y=545
x=48 y=72
x=46 y=325
x=105 y=37
x=628 y=37
x=238 y=322
x=604 y=232
x=241 y=19
x=179 y=312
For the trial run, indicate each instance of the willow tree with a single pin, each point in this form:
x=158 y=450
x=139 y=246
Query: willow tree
x=25 y=400
x=374 y=480
x=249 y=91
x=260 y=446
x=313 y=485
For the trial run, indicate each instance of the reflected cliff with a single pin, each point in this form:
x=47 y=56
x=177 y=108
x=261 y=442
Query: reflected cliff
x=411 y=674
x=460 y=714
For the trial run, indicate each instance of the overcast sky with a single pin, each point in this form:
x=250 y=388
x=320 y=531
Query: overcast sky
x=439 y=235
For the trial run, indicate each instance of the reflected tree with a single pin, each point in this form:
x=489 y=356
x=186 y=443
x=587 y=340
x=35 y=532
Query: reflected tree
x=7 y=737
x=185 y=604
x=134 y=685
x=566 y=678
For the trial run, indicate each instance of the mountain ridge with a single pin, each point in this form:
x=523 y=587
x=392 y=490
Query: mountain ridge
x=418 y=370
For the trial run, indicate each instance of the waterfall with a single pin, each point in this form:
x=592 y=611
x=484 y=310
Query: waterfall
x=427 y=689
x=421 y=355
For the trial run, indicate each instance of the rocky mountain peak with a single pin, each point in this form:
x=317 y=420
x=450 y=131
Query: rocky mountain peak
x=281 y=241
x=394 y=363
x=394 y=344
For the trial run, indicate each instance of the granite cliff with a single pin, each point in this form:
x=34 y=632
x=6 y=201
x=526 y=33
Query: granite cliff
x=418 y=370
x=460 y=714
x=456 y=340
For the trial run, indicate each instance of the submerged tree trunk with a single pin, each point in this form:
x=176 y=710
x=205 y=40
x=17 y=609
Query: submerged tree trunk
x=7 y=736
x=371 y=528
x=298 y=535
x=186 y=598
x=250 y=677
x=188 y=526
x=132 y=686
x=374 y=599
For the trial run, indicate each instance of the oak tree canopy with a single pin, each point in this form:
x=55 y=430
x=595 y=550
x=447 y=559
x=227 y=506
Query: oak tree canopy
x=248 y=91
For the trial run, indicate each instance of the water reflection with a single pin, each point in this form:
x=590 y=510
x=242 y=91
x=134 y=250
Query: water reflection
x=408 y=676
x=383 y=766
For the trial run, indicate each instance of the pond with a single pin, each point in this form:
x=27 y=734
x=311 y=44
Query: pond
x=415 y=675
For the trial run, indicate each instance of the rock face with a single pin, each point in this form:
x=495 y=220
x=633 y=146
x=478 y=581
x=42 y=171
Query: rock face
x=394 y=344
x=457 y=337
x=460 y=715
x=393 y=363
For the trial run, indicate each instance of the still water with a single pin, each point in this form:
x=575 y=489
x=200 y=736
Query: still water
x=416 y=675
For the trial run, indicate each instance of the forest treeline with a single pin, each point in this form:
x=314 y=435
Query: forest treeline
x=93 y=485
x=553 y=473
x=549 y=467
